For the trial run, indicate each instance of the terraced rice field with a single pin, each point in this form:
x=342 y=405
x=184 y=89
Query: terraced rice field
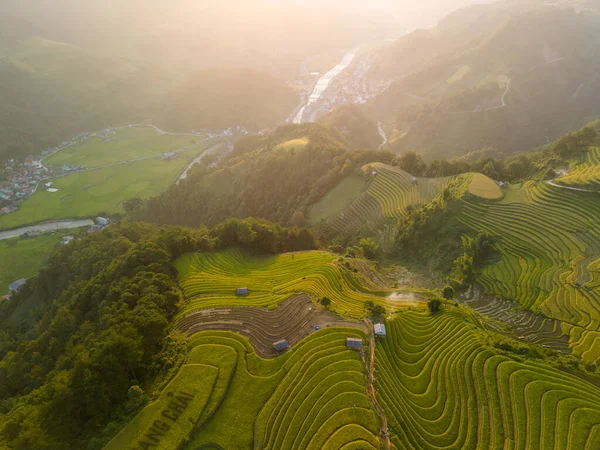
x=389 y=194
x=442 y=387
x=587 y=174
x=294 y=319
x=550 y=256
x=523 y=324
x=210 y=279
x=312 y=398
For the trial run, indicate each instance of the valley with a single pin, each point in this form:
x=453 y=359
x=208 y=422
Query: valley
x=299 y=225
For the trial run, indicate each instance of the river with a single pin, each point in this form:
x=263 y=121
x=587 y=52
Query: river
x=45 y=227
x=324 y=83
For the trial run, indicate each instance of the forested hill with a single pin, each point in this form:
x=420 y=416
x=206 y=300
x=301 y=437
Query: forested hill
x=509 y=75
x=107 y=302
x=276 y=177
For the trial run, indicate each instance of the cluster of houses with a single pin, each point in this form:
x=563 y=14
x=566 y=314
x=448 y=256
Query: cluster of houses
x=18 y=182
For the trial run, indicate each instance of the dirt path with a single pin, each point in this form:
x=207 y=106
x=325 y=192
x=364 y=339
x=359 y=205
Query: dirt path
x=552 y=183
x=371 y=386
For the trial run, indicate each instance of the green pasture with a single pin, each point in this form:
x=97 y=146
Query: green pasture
x=103 y=190
x=443 y=387
x=210 y=279
x=126 y=144
x=22 y=257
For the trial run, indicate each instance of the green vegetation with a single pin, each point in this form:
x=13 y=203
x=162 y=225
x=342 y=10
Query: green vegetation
x=389 y=195
x=484 y=187
x=586 y=174
x=443 y=385
x=124 y=145
x=103 y=190
x=294 y=144
x=210 y=280
x=310 y=397
x=257 y=179
x=171 y=418
x=22 y=258
x=549 y=245
x=337 y=199
x=482 y=78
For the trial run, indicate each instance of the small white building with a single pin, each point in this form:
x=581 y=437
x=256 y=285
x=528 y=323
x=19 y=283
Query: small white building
x=102 y=221
x=380 y=330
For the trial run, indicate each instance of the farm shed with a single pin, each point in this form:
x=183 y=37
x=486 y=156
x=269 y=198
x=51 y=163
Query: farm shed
x=281 y=345
x=242 y=292
x=354 y=344
x=380 y=330
x=16 y=285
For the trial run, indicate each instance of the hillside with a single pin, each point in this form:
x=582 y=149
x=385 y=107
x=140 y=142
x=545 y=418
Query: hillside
x=51 y=91
x=483 y=78
x=219 y=99
x=277 y=176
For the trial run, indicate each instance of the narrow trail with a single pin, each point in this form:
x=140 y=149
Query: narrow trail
x=552 y=183
x=371 y=386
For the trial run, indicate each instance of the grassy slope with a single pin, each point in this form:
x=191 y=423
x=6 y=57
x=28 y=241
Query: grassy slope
x=211 y=279
x=103 y=190
x=23 y=259
x=550 y=253
x=127 y=144
x=443 y=387
x=337 y=199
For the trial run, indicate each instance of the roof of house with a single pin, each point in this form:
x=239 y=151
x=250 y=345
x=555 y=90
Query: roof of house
x=242 y=291
x=16 y=285
x=281 y=345
x=354 y=342
x=379 y=329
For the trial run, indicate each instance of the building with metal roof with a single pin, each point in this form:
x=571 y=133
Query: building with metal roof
x=354 y=344
x=16 y=285
x=242 y=292
x=380 y=330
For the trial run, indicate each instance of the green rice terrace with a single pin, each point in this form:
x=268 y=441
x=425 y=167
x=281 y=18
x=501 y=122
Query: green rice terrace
x=388 y=193
x=443 y=386
x=586 y=174
x=549 y=242
x=211 y=279
x=313 y=397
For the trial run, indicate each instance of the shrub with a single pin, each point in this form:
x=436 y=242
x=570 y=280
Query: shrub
x=434 y=305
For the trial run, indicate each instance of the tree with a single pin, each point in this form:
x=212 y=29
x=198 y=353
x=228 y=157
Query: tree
x=325 y=302
x=369 y=247
x=434 y=305
x=298 y=219
x=448 y=292
x=490 y=170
